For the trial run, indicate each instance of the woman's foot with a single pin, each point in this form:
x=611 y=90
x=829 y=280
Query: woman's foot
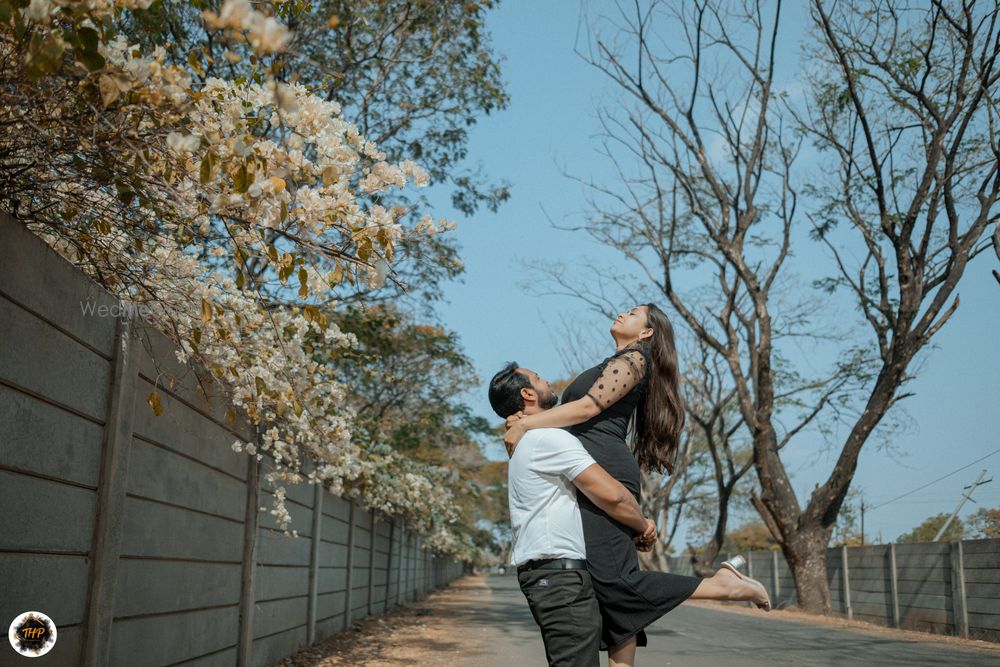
x=739 y=587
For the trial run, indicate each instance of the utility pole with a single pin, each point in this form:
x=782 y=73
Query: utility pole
x=965 y=496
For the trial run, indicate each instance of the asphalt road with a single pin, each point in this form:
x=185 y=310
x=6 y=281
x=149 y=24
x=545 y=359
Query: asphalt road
x=503 y=633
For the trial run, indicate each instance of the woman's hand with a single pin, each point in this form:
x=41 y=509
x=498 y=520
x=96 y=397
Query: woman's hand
x=513 y=435
x=644 y=542
x=513 y=419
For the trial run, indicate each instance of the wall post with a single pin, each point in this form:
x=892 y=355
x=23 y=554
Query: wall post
x=388 y=563
x=848 y=609
x=414 y=580
x=399 y=565
x=317 y=524
x=959 y=602
x=894 y=585
x=244 y=648
x=774 y=575
x=349 y=585
x=108 y=525
x=371 y=562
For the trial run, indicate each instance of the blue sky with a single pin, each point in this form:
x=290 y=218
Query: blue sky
x=550 y=128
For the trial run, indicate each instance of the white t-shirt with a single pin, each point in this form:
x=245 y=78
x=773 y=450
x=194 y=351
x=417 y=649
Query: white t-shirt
x=544 y=514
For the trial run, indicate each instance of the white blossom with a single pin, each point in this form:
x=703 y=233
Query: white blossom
x=309 y=181
x=38 y=11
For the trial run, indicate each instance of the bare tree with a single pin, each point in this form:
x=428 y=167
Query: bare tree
x=711 y=408
x=903 y=113
x=665 y=497
x=711 y=463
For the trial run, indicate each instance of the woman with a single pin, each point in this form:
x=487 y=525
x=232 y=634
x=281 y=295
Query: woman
x=640 y=379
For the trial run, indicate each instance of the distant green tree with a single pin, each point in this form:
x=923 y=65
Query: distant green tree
x=985 y=523
x=926 y=531
x=750 y=536
x=407 y=383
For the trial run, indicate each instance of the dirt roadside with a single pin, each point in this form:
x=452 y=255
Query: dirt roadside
x=420 y=633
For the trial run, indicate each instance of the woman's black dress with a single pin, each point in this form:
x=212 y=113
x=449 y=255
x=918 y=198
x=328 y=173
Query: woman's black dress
x=630 y=599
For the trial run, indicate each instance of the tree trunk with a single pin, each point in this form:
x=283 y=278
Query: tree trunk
x=806 y=556
x=702 y=562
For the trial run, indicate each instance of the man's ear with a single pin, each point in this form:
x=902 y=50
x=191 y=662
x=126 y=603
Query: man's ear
x=529 y=395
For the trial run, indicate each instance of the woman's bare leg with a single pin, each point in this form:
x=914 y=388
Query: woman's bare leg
x=723 y=585
x=726 y=585
x=622 y=655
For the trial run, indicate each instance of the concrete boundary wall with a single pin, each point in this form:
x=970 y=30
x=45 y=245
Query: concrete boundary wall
x=140 y=535
x=948 y=588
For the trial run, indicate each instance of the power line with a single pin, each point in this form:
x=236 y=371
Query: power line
x=935 y=481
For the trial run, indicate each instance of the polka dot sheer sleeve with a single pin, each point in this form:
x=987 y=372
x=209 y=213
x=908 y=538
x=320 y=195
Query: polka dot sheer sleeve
x=619 y=377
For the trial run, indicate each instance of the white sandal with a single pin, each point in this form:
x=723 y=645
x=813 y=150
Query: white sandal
x=733 y=565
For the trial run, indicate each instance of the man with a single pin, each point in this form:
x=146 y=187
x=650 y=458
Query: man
x=545 y=469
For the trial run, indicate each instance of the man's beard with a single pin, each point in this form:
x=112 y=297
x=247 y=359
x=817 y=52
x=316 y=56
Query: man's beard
x=548 y=401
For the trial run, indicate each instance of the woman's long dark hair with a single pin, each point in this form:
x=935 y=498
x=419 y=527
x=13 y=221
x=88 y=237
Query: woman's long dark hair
x=659 y=417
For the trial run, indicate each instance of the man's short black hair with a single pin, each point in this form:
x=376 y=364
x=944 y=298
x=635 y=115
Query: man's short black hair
x=505 y=390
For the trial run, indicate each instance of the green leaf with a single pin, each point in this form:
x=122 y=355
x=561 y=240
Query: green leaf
x=205 y=174
x=44 y=55
x=338 y=275
x=240 y=179
x=195 y=63
x=125 y=192
x=92 y=61
x=303 y=283
x=100 y=174
x=88 y=39
x=108 y=27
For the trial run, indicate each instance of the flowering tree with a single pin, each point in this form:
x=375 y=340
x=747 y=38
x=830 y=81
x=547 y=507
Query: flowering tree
x=414 y=75
x=193 y=195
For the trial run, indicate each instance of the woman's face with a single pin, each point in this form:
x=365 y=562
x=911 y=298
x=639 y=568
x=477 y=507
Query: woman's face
x=632 y=324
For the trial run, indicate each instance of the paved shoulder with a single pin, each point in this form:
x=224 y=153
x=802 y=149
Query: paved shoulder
x=700 y=635
x=484 y=621
x=697 y=635
x=504 y=633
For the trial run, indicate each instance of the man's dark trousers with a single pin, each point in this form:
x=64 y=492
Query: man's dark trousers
x=563 y=605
